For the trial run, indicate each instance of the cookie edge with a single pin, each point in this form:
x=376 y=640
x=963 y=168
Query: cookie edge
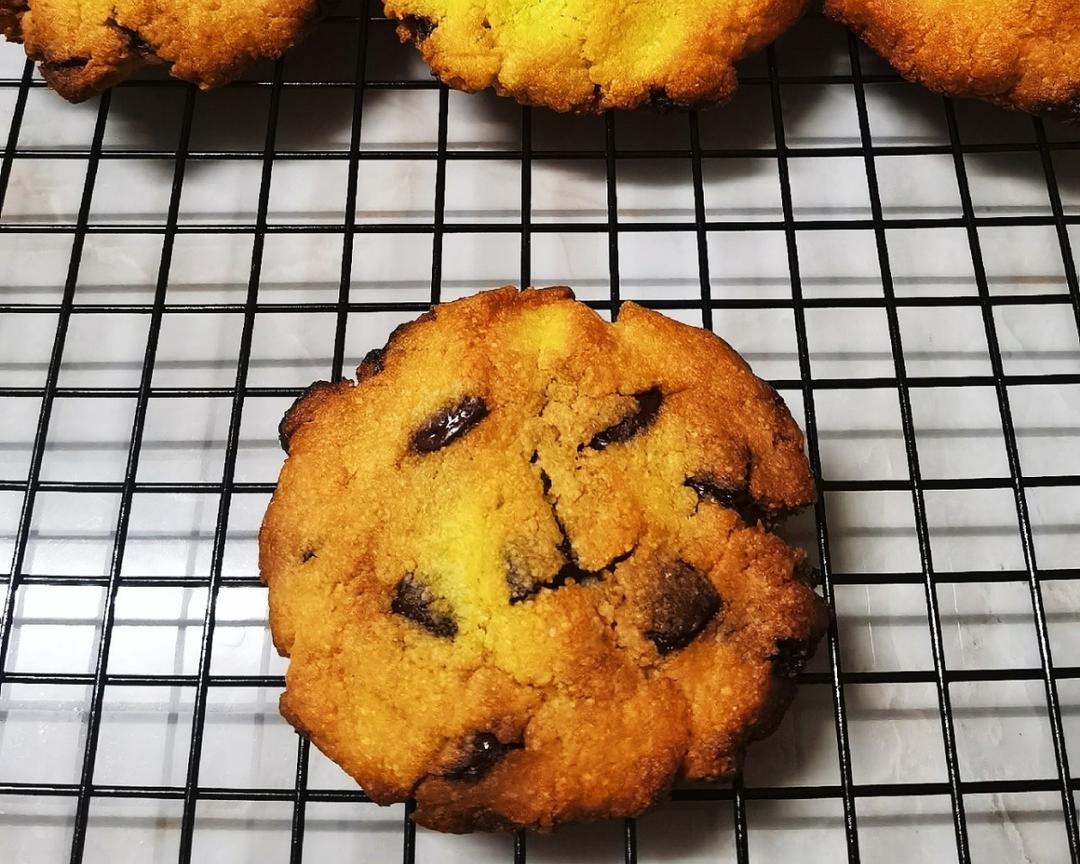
x=1066 y=111
x=78 y=83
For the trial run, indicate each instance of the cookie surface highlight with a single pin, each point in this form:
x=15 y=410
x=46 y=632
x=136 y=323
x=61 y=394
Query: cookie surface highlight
x=1019 y=55
x=521 y=567
x=584 y=55
x=86 y=46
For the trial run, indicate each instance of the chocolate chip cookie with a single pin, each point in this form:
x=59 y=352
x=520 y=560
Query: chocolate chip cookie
x=588 y=55
x=523 y=566
x=85 y=46
x=1020 y=55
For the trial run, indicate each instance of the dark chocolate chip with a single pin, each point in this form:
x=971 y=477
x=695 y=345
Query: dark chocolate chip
x=449 y=424
x=660 y=100
x=420 y=27
x=484 y=752
x=284 y=427
x=685 y=603
x=637 y=421
x=790 y=657
x=739 y=499
x=413 y=600
x=307 y=555
x=373 y=363
x=135 y=40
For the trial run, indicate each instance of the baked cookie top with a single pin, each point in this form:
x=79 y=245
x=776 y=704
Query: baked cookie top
x=523 y=568
x=85 y=46
x=1020 y=55
x=588 y=55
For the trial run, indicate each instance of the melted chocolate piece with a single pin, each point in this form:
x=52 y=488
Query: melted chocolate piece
x=709 y=488
x=413 y=600
x=790 y=657
x=373 y=363
x=685 y=603
x=484 y=753
x=420 y=27
x=449 y=424
x=135 y=40
x=637 y=421
x=659 y=99
x=307 y=555
x=286 y=426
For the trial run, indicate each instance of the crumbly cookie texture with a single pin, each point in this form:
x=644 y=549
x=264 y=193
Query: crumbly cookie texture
x=1019 y=55
x=585 y=55
x=523 y=570
x=86 y=46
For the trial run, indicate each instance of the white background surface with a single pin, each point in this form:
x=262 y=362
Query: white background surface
x=894 y=730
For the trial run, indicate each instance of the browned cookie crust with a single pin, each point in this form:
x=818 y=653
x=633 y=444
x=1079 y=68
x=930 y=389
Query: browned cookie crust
x=522 y=567
x=1023 y=55
x=86 y=46
x=589 y=55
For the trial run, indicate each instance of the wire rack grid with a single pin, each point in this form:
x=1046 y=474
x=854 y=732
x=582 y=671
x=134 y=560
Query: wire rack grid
x=176 y=266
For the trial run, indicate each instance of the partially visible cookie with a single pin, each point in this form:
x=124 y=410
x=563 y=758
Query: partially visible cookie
x=1023 y=55
x=86 y=46
x=523 y=568
x=591 y=55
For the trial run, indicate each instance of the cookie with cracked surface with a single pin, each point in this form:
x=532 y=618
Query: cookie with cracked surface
x=584 y=55
x=86 y=46
x=522 y=566
x=1018 y=55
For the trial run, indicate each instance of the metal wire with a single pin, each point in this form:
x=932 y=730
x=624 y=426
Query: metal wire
x=846 y=791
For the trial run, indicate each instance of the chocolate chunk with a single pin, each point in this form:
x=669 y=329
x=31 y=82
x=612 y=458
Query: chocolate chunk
x=307 y=555
x=421 y=28
x=294 y=417
x=413 y=600
x=637 y=421
x=136 y=42
x=685 y=603
x=790 y=657
x=449 y=424
x=660 y=100
x=484 y=752
x=373 y=363
x=739 y=499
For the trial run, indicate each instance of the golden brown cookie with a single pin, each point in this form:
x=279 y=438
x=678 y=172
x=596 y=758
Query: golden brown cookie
x=586 y=55
x=86 y=46
x=1020 y=55
x=523 y=567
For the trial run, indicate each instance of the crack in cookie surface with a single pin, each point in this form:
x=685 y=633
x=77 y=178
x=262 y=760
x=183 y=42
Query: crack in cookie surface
x=517 y=627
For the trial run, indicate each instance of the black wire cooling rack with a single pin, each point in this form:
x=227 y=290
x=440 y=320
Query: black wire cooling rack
x=769 y=81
